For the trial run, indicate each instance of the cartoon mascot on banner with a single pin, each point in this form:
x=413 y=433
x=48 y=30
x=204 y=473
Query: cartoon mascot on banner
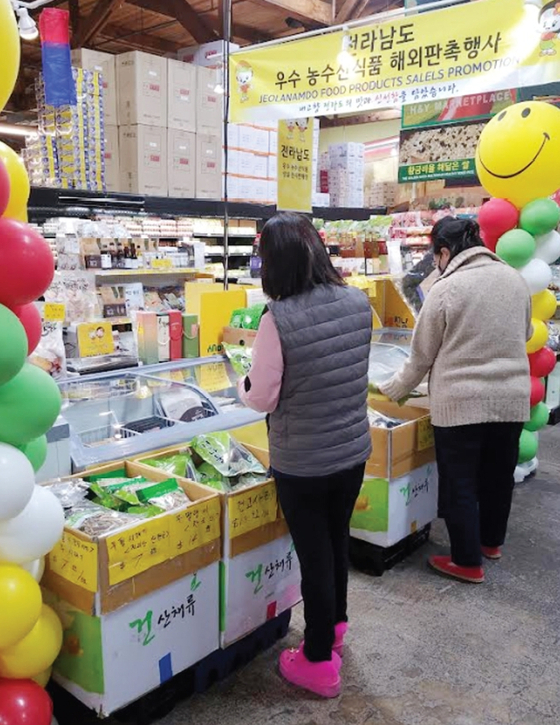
x=517 y=161
x=31 y=518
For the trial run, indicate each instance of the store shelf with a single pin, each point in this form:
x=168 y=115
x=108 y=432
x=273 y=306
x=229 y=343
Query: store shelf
x=146 y=272
x=46 y=203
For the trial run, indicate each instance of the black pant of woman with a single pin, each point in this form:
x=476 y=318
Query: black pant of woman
x=318 y=512
x=476 y=465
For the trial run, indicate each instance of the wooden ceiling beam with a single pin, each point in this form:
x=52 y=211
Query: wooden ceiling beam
x=315 y=11
x=94 y=23
x=347 y=10
x=191 y=21
x=139 y=40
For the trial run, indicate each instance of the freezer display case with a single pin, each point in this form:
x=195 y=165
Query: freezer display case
x=123 y=414
x=390 y=347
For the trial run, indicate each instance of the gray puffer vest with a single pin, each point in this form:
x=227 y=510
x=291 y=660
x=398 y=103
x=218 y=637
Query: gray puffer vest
x=320 y=426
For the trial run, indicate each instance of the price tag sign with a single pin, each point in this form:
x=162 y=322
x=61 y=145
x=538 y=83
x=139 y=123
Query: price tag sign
x=196 y=526
x=75 y=560
x=136 y=550
x=425 y=434
x=162 y=264
x=213 y=377
x=252 y=509
x=54 y=312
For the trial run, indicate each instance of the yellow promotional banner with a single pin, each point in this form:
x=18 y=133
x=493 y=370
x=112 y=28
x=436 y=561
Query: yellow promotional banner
x=295 y=164
x=461 y=50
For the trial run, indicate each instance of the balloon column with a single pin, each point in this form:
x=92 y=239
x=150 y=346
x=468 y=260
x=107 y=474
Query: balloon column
x=517 y=162
x=31 y=518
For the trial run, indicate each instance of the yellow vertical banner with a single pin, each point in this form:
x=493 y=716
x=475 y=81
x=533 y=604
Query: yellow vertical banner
x=295 y=164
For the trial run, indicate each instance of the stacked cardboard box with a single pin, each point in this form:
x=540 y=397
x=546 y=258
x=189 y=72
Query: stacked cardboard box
x=383 y=193
x=346 y=174
x=252 y=163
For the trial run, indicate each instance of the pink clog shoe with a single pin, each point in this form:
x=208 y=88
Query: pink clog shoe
x=321 y=678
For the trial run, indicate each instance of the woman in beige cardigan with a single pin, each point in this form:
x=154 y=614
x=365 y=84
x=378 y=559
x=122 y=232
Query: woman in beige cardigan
x=471 y=338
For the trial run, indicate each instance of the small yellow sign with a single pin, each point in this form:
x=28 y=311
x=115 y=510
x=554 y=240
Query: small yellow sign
x=162 y=264
x=95 y=338
x=425 y=434
x=75 y=560
x=213 y=377
x=196 y=526
x=54 y=312
x=251 y=509
x=295 y=164
x=136 y=550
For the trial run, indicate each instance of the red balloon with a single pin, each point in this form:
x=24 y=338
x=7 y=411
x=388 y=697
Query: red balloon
x=4 y=188
x=542 y=362
x=537 y=391
x=26 y=264
x=24 y=702
x=489 y=240
x=30 y=318
x=497 y=217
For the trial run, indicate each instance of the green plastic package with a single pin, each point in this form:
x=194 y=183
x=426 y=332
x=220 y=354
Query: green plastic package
x=227 y=456
x=240 y=357
x=178 y=464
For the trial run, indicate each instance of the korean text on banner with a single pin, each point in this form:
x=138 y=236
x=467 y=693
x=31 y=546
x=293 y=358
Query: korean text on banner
x=295 y=161
x=456 y=51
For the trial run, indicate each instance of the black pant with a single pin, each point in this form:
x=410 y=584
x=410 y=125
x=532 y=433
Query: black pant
x=318 y=512
x=476 y=464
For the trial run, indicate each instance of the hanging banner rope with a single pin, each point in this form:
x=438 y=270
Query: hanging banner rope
x=484 y=46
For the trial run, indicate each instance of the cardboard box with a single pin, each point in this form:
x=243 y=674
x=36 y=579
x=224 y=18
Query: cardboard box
x=389 y=510
x=181 y=151
x=257 y=586
x=147 y=333
x=191 y=341
x=208 y=166
x=142 y=89
x=104 y=63
x=235 y=336
x=210 y=54
x=181 y=96
x=143 y=160
x=209 y=104
x=99 y=575
x=111 y=660
x=112 y=159
x=403 y=449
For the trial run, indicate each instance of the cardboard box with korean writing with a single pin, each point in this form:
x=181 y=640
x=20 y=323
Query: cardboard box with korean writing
x=181 y=96
x=112 y=159
x=257 y=586
x=208 y=166
x=111 y=660
x=142 y=89
x=181 y=170
x=101 y=574
x=209 y=102
x=387 y=511
x=143 y=160
x=402 y=449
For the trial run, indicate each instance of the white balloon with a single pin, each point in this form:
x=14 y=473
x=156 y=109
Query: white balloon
x=537 y=274
x=35 y=531
x=548 y=247
x=36 y=568
x=17 y=481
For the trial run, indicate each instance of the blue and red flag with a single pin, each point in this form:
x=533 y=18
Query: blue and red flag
x=54 y=26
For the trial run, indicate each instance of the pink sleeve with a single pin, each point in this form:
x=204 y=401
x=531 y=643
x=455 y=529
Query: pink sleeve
x=264 y=381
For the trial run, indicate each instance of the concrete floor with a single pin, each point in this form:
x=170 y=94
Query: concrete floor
x=426 y=651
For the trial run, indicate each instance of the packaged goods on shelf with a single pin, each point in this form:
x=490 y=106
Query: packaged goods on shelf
x=142 y=84
x=103 y=63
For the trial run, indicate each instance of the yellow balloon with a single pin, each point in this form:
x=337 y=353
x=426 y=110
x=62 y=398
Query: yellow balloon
x=20 y=604
x=544 y=305
x=35 y=653
x=43 y=678
x=539 y=338
x=19 y=182
x=518 y=152
x=10 y=44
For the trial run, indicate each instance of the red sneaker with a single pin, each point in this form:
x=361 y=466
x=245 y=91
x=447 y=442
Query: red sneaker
x=444 y=565
x=322 y=678
x=491 y=552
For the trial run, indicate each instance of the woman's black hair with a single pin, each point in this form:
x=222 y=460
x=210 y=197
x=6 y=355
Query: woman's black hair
x=456 y=235
x=294 y=258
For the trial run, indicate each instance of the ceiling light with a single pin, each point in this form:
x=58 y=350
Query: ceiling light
x=26 y=25
x=345 y=58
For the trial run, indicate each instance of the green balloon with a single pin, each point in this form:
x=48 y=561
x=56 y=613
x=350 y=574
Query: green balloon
x=539 y=418
x=516 y=247
x=29 y=405
x=13 y=345
x=36 y=452
x=528 y=446
x=540 y=217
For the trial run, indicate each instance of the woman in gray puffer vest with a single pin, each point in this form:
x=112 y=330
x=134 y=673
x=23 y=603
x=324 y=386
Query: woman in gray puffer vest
x=309 y=373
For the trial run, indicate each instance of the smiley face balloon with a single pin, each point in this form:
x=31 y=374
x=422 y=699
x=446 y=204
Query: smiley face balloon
x=9 y=42
x=518 y=153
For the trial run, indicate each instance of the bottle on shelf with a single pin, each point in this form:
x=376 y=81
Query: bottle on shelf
x=255 y=262
x=127 y=255
x=133 y=255
x=105 y=256
x=113 y=254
